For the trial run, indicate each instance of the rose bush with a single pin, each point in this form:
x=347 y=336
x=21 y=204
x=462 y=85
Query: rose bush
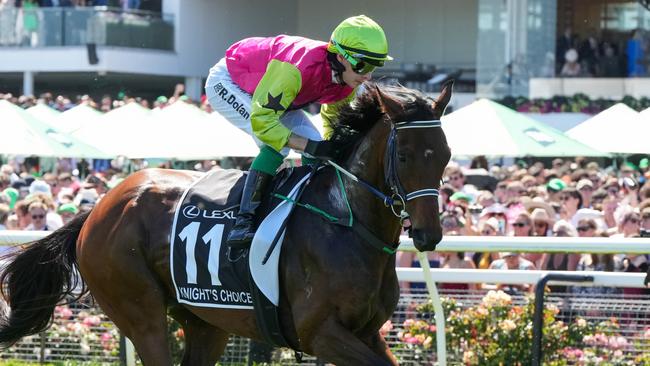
x=498 y=332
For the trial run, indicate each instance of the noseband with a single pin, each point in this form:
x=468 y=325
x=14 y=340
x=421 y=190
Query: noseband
x=399 y=196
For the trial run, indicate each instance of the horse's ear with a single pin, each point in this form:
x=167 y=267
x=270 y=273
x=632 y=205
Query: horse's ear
x=389 y=105
x=445 y=97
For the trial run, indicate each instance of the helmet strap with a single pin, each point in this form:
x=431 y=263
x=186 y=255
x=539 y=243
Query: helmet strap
x=337 y=67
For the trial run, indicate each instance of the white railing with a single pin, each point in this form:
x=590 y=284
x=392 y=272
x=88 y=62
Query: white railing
x=475 y=244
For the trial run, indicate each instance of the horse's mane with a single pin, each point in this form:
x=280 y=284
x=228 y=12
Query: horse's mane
x=357 y=118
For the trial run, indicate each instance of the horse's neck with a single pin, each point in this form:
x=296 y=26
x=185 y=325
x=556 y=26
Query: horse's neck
x=367 y=163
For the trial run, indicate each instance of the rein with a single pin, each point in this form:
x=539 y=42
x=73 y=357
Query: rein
x=397 y=198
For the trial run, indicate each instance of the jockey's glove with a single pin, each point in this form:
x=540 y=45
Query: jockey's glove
x=324 y=150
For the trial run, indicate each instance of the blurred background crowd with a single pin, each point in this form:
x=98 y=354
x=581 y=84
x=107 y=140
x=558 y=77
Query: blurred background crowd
x=569 y=198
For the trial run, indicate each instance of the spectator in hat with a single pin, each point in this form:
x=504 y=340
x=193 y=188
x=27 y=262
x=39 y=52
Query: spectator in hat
x=67 y=211
x=460 y=199
x=629 y=225
x=586 y=188
x=498 y=212
x=13 y=195
x=554 y=187
x=531 y=204
x=40 y=186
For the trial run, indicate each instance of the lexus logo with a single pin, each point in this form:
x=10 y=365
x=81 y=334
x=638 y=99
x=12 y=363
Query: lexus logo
x=191 y=211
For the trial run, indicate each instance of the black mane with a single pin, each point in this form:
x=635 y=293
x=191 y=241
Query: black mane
x=357 y=118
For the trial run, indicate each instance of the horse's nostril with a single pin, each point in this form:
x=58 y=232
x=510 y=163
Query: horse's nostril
x=424 y=241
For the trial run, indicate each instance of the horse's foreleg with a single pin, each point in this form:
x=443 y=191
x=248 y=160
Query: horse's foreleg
x=204 y=343
x=334 y=343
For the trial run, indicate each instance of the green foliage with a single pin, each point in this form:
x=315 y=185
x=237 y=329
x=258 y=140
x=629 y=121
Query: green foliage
x=577 y=103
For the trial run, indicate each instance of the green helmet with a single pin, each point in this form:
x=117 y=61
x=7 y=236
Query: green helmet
x=360 y=41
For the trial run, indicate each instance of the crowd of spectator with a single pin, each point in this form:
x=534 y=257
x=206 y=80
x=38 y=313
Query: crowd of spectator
x=569 y=199
x=593 y=56
x=106 y=103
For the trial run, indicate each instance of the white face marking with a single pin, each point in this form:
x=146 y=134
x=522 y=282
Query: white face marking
x=428 y=153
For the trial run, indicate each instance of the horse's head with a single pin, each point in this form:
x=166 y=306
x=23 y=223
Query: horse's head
x=416 y=156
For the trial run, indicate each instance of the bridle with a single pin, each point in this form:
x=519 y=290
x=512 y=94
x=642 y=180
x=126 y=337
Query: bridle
x=399 y=196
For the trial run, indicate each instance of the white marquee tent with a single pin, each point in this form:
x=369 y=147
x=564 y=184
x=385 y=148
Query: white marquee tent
x=488 y=128
x=617 y=130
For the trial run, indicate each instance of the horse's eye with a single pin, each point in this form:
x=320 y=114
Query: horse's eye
x=401 y=156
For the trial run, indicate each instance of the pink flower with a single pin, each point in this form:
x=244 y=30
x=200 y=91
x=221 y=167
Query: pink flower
x=92 y=321
x=412 y=340
x=63 y=311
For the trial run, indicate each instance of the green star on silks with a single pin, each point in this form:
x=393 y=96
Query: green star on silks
x=274 y=103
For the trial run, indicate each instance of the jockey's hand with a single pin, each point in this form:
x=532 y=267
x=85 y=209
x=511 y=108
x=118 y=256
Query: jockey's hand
x=324 y=150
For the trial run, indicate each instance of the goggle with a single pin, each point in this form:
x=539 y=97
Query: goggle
x=358 y=66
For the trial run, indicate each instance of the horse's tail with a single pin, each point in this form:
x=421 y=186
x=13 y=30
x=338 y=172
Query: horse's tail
x=37 y=278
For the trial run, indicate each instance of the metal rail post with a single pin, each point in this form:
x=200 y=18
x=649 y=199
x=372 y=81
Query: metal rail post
x=538 y=316
x=441 y=341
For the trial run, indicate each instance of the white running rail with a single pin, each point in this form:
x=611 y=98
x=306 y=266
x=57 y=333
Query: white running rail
x=474 y=244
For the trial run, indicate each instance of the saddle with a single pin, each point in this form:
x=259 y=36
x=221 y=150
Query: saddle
x=208 y=273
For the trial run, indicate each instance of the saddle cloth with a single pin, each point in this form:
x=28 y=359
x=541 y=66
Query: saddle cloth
x=205 y=271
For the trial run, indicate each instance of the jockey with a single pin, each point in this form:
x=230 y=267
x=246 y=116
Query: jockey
x=261 y=85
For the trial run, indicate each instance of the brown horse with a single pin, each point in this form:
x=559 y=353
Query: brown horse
x=336 y=289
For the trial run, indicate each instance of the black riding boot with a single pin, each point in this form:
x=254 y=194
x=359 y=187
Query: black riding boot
x=242 y=233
